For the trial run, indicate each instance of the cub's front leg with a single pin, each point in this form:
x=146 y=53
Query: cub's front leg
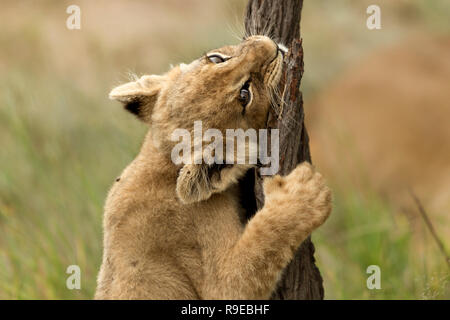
x=295 y=205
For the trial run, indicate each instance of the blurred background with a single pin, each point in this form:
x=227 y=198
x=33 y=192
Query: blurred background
x=377 y=108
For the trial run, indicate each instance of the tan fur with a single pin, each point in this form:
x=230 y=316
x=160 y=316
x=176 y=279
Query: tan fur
x=173 y=232
x=391 y=134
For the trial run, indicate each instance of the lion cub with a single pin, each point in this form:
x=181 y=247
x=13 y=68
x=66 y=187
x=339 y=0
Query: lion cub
x=174 y=231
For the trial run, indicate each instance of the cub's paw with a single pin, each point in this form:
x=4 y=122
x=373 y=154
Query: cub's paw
x=303 y=193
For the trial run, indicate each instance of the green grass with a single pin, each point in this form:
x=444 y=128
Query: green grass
x=364 y=230
x=61 y=151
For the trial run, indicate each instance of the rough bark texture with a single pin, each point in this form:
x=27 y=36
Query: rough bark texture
x=281 y=21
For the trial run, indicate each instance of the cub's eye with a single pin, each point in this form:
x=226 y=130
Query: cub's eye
x=245 y=94
x=215 y=58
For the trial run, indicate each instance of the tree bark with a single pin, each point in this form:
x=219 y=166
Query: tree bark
x=280 y=20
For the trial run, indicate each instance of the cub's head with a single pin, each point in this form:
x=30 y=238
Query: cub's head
x=227 y=88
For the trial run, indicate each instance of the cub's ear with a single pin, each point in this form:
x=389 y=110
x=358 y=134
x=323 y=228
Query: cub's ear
x=139 y=97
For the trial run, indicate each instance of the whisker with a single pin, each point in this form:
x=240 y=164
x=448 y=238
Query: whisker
x=278 y=103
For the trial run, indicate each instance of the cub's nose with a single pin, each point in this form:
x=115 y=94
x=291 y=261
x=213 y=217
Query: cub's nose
x=264 y=45
x=262 y=41
x=270 y=43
